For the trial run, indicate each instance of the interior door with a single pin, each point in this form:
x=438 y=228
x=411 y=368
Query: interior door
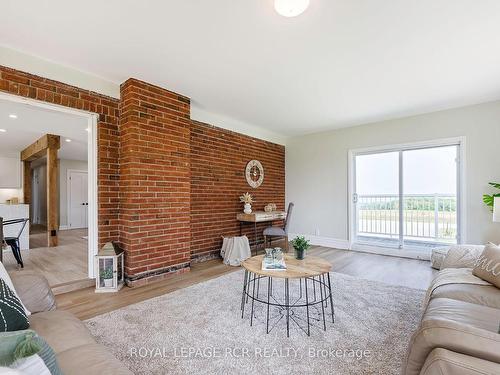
x=78 y=200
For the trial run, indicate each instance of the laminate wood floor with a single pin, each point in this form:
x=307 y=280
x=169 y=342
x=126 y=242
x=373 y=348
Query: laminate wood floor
x=62 y=264
x=85 y=303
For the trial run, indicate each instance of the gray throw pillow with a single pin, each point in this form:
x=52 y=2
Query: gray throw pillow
x=487 y=266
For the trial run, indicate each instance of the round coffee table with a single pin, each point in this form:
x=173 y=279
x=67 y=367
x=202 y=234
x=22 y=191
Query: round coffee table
x=313 y=272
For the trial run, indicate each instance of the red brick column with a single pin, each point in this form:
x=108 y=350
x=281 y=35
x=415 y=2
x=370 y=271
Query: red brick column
x=154 y=181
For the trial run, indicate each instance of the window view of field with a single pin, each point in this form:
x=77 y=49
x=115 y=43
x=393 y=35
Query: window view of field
x=428 y=218
x=429 y=195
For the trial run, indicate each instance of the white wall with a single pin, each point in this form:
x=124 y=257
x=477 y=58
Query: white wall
x=10 y=193
x=317 y=167
x=48 y=69
x=64 y=165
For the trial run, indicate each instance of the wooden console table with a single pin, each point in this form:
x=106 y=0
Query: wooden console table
x=259 y=217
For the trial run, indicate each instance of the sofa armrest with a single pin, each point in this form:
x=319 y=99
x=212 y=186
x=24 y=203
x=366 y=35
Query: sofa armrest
x=34 y=291
x=458 y=326
x=445 y=362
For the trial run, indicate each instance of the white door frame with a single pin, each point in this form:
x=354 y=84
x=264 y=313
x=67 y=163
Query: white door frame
x=461 y=190
x=92 y=119
x=68 y=191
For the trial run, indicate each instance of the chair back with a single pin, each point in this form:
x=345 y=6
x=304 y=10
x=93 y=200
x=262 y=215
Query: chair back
x=288 y=217
x=21 y=227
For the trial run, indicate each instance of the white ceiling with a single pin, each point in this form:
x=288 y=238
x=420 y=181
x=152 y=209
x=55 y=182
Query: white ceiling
x=33 y=122
x=341 y=63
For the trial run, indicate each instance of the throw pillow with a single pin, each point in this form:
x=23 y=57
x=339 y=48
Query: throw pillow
x=12 y=314
x=5 y=276
x=462 y=256
x=487 y=266
x=32 y=365
x=23 y=344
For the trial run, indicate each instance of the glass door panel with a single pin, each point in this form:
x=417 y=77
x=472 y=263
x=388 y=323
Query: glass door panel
x=377 y=198
x=430 y=195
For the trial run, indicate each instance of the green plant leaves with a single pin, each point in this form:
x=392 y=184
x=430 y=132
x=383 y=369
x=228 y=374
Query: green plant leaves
x=489 y=199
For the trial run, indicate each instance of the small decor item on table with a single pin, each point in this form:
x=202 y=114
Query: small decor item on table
x=270 y=207
x=109 y=267
x=273 y=261
x=300 y=244
x=248 y=200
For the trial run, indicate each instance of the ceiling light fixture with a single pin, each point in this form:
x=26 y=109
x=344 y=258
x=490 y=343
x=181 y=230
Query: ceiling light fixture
x=13 y=116
x=68 y=140
x=3 y=131
x=290 y=8
x=87 y=130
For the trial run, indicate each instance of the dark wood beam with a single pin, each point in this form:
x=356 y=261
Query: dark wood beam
x=38 y=149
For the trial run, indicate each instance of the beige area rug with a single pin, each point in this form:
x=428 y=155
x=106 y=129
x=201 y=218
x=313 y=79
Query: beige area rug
x=199 y=330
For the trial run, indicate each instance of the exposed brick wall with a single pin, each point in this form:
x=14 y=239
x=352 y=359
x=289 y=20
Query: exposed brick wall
x=218 y=161
x=31 y=86
x=168 y=187
x=155 y=180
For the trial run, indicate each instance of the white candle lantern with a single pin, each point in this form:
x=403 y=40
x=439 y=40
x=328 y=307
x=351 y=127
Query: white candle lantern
x=109 y=268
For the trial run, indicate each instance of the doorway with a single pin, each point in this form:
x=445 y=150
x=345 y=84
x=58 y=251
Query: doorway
x=407 y=198
x=78 y=152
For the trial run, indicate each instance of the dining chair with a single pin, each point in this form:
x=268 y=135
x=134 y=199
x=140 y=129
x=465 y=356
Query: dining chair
x=279 y=232
x=13 y=241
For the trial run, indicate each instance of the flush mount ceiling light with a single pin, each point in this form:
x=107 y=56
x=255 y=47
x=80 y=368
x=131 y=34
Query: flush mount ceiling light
x=290 y=8
x=13 y=116
x=3 y=131
x=68 y=140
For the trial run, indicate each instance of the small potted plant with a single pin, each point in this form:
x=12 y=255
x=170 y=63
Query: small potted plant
x=248 y=200
x=300 y=244
x=107 y=276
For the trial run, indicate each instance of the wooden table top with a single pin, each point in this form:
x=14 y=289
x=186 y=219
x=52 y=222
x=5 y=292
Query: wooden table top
x=261 y=216
x=308 y=267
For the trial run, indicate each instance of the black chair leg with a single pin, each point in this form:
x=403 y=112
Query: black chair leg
x=16 y=250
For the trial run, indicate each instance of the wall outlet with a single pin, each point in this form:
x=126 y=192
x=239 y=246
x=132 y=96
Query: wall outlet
x=316 y=232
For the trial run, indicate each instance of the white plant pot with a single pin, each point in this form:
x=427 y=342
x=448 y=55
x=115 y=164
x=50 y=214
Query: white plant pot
x=248 y=208
x=108 y=283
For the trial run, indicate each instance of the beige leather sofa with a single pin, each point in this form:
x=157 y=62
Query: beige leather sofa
x=76 y=350
x=458 y=334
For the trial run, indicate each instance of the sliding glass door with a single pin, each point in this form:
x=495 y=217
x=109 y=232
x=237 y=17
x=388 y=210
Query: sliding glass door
x=407 y=197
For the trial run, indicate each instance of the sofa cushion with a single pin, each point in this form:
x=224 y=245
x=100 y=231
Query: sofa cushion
x=90 y=359
x=487 y=267
x=34 y=291
x=487 y=295
x=61 y=330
